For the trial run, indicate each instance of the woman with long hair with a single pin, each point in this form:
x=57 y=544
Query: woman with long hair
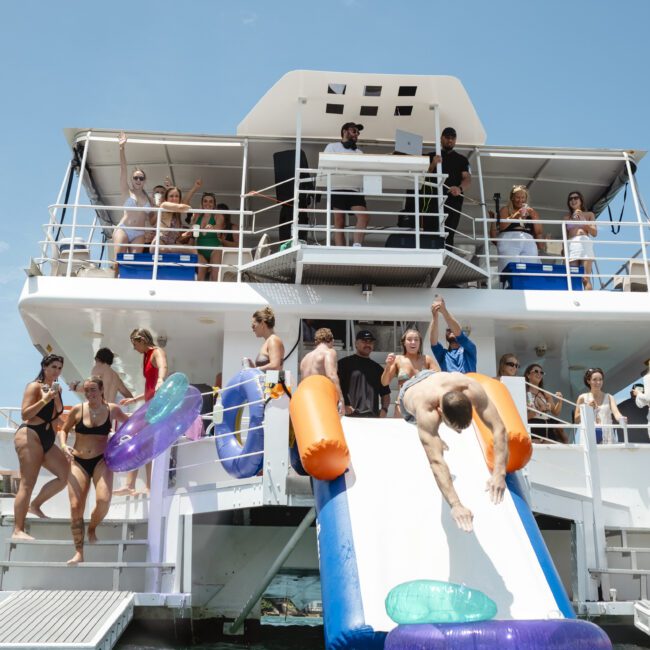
x=130 y=234
x=271 y=354
x=92 y=422
x=580 y=228
x=154 y=369
x=542 y=408
x=508 y=366
x=519 y=230
x=230 y=235
x=209 y=244
x=603 y=404
x=34 y=443
x=409 y=363
x=172 y=238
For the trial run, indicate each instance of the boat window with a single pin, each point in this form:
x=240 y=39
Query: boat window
x=372 y=91
x=336 y=89
x=370 y=111
x=407 y=91
x=403 y=110
x=334 y=108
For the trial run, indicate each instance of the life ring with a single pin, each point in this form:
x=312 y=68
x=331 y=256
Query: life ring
x=139 y=441
x=244 y=389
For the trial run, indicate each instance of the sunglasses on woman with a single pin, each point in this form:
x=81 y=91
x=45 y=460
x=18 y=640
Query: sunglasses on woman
x=537 y=371
x=138 y=178
x=512 y=364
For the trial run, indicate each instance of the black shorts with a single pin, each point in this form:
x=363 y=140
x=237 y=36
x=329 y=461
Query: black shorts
x=345 y=202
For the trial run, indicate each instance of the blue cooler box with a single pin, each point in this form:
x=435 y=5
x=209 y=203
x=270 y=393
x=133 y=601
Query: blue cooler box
x=141 y=267
x=552 y=277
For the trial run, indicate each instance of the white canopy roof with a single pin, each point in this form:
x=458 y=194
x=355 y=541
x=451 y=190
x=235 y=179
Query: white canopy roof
x=381 y=102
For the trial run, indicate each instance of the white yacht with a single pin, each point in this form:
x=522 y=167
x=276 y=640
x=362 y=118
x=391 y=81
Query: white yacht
x=209 y=545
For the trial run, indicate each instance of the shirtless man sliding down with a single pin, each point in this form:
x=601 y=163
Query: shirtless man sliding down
x=430 y=398
x=322 y=361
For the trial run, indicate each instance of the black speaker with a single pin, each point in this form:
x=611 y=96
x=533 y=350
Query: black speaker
x=284 y=166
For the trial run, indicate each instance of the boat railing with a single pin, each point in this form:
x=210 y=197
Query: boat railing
x=202 y=464
x=82 y=245
x=618 y=263
x=412 y=216
x=616 y=433
x=10 y=417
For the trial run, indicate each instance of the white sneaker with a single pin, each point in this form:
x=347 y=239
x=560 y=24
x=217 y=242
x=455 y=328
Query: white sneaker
x=356 y=245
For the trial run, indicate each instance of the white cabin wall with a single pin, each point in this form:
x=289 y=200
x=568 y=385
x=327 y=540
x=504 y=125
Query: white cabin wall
x=239 y=341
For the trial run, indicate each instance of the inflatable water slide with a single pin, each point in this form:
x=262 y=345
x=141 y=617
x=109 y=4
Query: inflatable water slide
x=383 y=522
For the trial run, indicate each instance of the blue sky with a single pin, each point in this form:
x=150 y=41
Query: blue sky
x=566 y=73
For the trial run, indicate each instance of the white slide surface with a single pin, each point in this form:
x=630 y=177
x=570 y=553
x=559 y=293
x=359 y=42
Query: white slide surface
x=402 y=527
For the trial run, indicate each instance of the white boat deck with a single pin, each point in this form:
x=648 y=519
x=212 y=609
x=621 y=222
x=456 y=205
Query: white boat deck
x=64 y=619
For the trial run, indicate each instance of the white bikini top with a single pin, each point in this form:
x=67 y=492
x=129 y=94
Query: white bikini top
x=132 y=202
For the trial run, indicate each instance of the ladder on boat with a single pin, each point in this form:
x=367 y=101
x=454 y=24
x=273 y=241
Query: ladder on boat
x=628 y=551
x=66 y=620
x=41 y=563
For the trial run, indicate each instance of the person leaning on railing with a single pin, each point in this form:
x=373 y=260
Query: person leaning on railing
x=519 y=230
x=580 y=228
x=602 y=403
x=542 y=408
x=172 y=240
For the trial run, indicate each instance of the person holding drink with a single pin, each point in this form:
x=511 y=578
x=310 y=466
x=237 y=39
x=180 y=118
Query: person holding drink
x=408 y=364
x=34 y=443
x=580 y=228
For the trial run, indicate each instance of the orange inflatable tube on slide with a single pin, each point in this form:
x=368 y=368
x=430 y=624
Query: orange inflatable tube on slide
x=520 y=448
x=317 y=425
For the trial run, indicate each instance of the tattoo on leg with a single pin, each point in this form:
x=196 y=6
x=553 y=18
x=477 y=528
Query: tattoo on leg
x=77 y=526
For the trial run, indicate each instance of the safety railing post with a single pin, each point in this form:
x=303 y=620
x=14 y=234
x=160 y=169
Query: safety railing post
x=328 y=209
x=416 y=194
x=486 y=231
x=635 y=198
x=296 y=185
x=82 y=171
x=240 y=251
x=156 y=246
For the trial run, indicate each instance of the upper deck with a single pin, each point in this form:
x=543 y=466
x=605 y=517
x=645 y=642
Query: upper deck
x=286 y=253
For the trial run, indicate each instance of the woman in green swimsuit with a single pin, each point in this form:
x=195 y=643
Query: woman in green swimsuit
x=208 y=244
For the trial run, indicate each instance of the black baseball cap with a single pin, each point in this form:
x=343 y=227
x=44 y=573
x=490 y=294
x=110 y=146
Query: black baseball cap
x=450 y=131
x=365 y=335
x=349 y=125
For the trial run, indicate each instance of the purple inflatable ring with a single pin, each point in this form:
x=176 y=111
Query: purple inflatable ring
x=552 y=634
x=137 y=441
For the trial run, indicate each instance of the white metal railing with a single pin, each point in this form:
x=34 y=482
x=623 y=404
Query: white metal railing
x=622 y=255
x=618 y=264
x=84 y=244
x=10 y=417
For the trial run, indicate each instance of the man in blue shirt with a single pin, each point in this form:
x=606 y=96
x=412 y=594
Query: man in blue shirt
x=460 y=356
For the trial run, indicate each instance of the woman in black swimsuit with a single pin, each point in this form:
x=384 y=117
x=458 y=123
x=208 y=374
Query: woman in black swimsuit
x=92 y=422
x=34 y=442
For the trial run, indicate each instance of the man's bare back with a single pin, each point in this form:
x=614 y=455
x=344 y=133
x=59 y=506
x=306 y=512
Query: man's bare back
x=424 y=402
x=322 y=361
x=111 y=380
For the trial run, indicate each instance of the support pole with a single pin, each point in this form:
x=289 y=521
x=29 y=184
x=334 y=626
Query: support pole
x=272 y=572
